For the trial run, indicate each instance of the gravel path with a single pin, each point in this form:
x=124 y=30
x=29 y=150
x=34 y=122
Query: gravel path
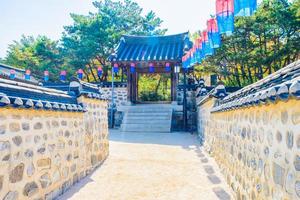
x=153 y=166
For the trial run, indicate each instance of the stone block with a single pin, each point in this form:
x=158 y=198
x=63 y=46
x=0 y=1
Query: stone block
x=11 y=195
x=30 y=189
x=16 y=174
x=44 y=163
x=14 y=127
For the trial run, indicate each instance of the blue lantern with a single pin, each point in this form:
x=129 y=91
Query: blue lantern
x=151 y=68
x=46 y=76
x=116 y=68
x=99 y=71
x=206 y=46
x=214 y=36
x=168 y=67
x=244 y=7
x=27 y=75
x=63 y=75
x=12 y=74
x=132 y=68
x=226 y=23
x=80 y=74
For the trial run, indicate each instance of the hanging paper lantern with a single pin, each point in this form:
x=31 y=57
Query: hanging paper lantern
x=80 y=74
x=63 y=75
x=12 y=74
x=244 y=7
x=199 y=51
x=183 y=61
x=225 y=16
x=207 y=48
x=223 y=6
x=27 y=74
x=99 y=71
x=214 y=36
x=46 y=76
x=168 y=67
x=116 y=68
x=151 y=68
x=226 y=23
x=132 y=68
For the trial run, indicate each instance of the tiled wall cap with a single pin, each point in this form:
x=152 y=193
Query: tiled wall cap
x=48 y=105
x=38 y=105
x=283 y=92
x=63 y=107
x=69 y=107
x=4 y=100
x=245 y=101
x=80 y=108
x=221 y=94
x=55 y=106
x=84 y=109
x=272 y=94
x=18 y=102
x=220 y=87
x=75 y=108
x=256 y=98
x=295 y=88
x=264 y=96
x=29 y=103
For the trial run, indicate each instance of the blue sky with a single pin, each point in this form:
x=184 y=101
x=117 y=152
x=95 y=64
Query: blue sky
x=47 y=17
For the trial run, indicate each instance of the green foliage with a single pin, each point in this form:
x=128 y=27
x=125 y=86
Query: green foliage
x=260 y=45
x=86 y=43
x=154 y=87
x=37 y=54
x=90 y=40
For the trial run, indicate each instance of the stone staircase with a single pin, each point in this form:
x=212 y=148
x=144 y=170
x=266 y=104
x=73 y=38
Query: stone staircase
x=147 y=118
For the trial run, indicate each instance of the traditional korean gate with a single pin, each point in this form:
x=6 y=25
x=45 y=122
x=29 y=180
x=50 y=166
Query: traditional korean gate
x=151 y=55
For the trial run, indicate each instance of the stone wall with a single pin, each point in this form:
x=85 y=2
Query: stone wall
x=254 y=135
x=120 y=95
x=44 y=152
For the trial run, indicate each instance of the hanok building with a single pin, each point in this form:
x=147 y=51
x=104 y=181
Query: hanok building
x=150 y=54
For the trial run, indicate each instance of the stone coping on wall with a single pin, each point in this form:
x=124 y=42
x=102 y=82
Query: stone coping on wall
x=79 y=88
x=108 y=84
x=280 y=86
x=23 y=95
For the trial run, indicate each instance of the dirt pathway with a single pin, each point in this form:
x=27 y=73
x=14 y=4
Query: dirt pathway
x=153 y=166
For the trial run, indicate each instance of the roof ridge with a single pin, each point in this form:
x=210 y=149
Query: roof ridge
x=155 y=36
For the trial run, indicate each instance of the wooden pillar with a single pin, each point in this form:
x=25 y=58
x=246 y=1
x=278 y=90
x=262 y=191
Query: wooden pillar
x=134 y=87
x=173 y=86
x=129 y=86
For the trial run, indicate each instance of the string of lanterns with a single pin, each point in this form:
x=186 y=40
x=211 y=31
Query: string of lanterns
x=210 y=39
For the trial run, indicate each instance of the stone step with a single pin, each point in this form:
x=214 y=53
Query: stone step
x=156 y=117
x=149 y=111
x=145 y=128
x=147 y=118
x=147 y=121
x=152 y=114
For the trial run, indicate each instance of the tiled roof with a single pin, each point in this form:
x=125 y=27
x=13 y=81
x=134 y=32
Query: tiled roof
x=5 y=72
x=152 y=48
x=17 y=94
x=88 y=89
x=280 y=86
